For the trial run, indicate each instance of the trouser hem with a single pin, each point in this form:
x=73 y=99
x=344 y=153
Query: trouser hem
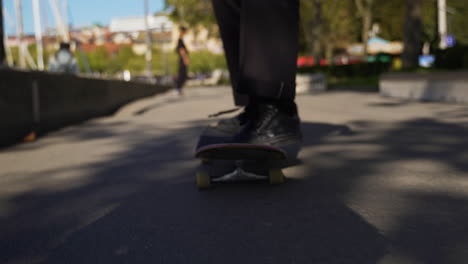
x=275 y=90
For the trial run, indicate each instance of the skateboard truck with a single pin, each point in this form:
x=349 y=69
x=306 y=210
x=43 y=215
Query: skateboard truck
x=204 y=180
x=245 y=162
x=240 y=175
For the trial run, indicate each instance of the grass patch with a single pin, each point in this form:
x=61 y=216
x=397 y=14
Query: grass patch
x=362 y=84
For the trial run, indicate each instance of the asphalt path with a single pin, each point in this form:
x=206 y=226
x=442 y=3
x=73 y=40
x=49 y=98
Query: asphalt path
x=379 y=180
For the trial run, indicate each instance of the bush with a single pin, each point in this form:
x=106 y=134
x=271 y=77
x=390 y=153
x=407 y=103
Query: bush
x=99 y=60
x=350 y=70
x=206 y=62
x=125 y=59
x=452 y=58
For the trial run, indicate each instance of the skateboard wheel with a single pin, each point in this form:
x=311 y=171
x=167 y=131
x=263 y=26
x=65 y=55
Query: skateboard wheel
x=276 y=176
x=203 y=180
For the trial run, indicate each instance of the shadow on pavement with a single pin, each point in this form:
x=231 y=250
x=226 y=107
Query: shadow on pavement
x=430 y=207
x=176 y=98
x=142 y=206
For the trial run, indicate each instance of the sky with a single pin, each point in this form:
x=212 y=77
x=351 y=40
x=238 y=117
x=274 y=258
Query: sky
x=81 y=12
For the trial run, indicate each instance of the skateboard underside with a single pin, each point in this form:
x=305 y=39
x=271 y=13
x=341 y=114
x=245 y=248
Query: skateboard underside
x=229 y=171
x=227 y=163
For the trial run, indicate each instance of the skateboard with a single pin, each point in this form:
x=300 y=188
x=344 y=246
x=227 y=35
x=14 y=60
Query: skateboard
x=234 y=162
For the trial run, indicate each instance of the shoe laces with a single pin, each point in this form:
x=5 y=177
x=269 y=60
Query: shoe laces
x=248 y=113
x=224 y=112
x=265 y=117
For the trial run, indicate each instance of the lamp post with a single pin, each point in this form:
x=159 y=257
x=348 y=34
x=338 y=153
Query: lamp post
x=149 y=54
x=20 y=33
x=442 y=23
x=38 y=33
x=61 y=25
x=2 y=37
x=163 y=53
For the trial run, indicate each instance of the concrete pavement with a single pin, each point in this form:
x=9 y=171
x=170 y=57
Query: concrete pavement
x=379 y=181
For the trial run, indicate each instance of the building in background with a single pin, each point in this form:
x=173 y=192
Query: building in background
x=125 y=32
x=164 y=34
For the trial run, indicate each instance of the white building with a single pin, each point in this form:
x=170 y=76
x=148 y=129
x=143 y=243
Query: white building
x=137 y=24
x=165 y=33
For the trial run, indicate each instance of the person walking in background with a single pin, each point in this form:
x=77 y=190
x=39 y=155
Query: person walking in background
x=184 y=61
x=63 y=61
x=260 y=40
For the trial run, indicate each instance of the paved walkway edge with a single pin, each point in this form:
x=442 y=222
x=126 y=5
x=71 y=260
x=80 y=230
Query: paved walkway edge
x=441 y=87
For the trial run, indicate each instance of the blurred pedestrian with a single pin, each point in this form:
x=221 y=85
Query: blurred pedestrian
x=184 y=61
x=63 y=61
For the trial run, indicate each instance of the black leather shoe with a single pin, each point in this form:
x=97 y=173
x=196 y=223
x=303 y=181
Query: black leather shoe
x=232 y=126
x=271 y=124
x=263 y=124
x=225 y=129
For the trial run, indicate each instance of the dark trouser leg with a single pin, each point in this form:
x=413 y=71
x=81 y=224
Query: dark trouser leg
x=228 y=16
x=261 y=40
x=269 y=45
x=182 y=76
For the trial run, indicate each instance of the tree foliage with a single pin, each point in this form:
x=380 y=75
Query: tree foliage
x=193 y=13
x=413 y=30
x=326 y=27
x=162 y=63
x=365 y=12
x=99 y=60
x=390 y=15
x=458 y=19
x=331 y=24
x=328 y=24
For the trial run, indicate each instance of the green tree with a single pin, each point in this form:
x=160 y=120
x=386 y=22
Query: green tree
x=341 y=26
x=458 y=20
x=337 y=25
x=365 y=12
x=121 y=59
x=390 y=17
x=99 y=60
x=413 y=31
x=194 y=13
x=205 y=62
x=312 y=25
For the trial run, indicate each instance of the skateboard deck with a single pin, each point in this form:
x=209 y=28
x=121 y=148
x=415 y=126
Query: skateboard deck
x=232 y=162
